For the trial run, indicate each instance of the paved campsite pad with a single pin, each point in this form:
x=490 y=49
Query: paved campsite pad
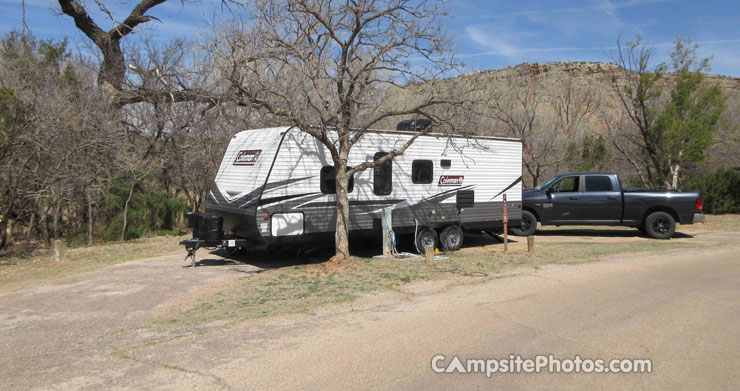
x=92 y=329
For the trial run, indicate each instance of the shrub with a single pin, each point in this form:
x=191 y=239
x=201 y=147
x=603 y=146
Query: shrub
x=149 y=212
x=720 y=189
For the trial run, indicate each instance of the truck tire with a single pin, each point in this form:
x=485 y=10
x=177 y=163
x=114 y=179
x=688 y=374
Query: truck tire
x=528 y=225
x=451 y=238
x=426 y=236
x=660 y=225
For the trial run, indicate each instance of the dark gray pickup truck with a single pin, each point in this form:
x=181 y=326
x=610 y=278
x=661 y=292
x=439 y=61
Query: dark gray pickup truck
x=599 y=199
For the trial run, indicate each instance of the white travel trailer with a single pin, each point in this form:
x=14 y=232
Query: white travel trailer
x=276 y=186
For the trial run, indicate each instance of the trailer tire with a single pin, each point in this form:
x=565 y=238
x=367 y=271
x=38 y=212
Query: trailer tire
x=660 y=225
x=528 y=225
x=426 y=236
x=451 y=238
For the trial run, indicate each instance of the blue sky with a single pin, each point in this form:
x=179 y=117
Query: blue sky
x=489 y=34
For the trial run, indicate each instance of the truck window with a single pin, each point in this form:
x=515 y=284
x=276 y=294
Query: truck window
x=328 y=180
x=383 y=176
x=566 y=185
x=422 y=171
x=599 y=183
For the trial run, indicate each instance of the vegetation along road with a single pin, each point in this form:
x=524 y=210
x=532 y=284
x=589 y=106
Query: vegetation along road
x=154 y=323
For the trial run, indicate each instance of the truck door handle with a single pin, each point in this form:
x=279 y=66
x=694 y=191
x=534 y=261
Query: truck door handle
x=575 y=198
x=612 y=197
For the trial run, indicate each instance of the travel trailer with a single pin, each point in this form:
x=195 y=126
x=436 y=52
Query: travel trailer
x=276 y=186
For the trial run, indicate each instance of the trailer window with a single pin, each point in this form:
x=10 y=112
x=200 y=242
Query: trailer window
x=422 y=171
x=383 y=176
x=599 y=183
x=445 y=163
x=329 y=180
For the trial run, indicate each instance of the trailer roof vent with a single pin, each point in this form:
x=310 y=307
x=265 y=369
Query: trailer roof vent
x=414 y=125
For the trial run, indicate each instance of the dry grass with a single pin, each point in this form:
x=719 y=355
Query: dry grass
x=19 y=271
x=305 y=288
x=729 y=222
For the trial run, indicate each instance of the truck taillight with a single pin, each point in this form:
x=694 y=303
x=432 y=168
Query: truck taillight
x=698 y=203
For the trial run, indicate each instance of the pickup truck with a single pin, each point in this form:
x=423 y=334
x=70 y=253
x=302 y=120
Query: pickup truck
x=600 y=199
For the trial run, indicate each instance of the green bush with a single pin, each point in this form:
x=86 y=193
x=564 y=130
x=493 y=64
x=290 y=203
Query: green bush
x=149 y=211
x=589 y=155
x=720 y=189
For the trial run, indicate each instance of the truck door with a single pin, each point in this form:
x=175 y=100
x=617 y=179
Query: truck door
x=601 y=200
x=563 y=200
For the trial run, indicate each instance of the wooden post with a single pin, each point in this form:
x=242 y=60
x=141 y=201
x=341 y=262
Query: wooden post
x=506 y=227
x=429 y=254
x=387 y=224
x=530 y=244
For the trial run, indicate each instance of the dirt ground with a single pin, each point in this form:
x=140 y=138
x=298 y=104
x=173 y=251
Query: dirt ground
x=94 y=330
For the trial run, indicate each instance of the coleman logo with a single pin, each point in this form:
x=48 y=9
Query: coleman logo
x=247 y=157
x=451 y=180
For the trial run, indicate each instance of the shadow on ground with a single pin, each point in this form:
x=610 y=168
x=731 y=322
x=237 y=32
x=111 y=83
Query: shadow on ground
x=323 y=251
x=614 y=233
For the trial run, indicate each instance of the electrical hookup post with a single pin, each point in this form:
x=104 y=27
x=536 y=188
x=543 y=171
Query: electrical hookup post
x=387 y=228
x=506 y=226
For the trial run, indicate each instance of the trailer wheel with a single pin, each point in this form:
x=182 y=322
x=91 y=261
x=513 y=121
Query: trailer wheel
x=528 y=225
x=660 y=225
x=424 y=237
x=451 y=238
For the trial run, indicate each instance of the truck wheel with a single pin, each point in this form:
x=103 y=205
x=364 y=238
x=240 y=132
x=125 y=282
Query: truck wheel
x=660 y=225
x=451 y=238
x=424 y=237
x=528 y=225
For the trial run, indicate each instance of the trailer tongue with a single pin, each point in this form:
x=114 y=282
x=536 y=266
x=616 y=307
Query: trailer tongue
x=208 y=232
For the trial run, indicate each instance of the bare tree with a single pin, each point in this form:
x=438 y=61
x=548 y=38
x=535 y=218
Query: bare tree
x=152 y=84
x=636 y=87
x=672 y=131
x=61 y=154
x=548 y=115
x=325 y=66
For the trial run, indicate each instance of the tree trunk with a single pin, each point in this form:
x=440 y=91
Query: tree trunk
x=55 y=223
x=113 y=68
x=89 y=217
x=44 y=224
x=341 y=236
x=4 y=233
x=125 y=210
x=29 y=229
x=675 y=176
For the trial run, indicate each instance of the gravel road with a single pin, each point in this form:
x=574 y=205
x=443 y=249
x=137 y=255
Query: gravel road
x=681 y=309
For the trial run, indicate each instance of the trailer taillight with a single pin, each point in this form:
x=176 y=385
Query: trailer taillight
x=266 y=218
x=698 y=203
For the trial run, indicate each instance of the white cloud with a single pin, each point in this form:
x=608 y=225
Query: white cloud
x=499 y=41
x=599 y=5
